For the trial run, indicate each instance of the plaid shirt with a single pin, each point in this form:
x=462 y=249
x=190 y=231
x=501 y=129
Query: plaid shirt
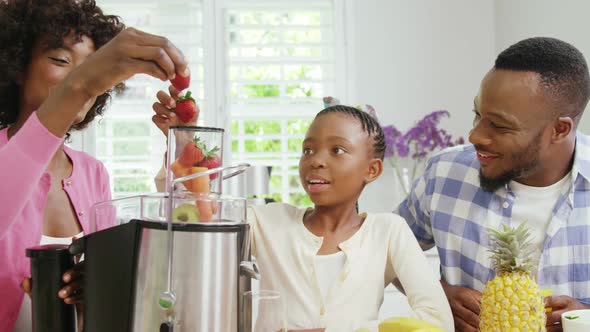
x=448 y=208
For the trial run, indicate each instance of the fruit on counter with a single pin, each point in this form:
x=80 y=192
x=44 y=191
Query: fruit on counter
x=211 y=160
x=192 y=153
x=407 y=324
x=512 y=300
x=186 y=213
x=181 y=83
x=186 y=108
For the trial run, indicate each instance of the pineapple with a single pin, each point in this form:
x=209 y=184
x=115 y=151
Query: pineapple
x=512 y=300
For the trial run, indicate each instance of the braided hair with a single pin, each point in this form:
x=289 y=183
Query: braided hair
x=368 y=123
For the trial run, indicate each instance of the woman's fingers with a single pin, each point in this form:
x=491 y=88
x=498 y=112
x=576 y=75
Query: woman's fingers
x=171 y=52
x=27 y=286
x=71 y=292
x=149 y=68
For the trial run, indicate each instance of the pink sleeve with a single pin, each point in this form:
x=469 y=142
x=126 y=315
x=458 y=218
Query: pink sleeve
x=24 y=159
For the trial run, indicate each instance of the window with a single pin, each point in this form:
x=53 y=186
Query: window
x=281 y=64
x=259 y=68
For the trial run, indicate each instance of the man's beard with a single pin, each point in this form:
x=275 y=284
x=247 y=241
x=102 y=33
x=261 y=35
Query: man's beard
x=526 y=162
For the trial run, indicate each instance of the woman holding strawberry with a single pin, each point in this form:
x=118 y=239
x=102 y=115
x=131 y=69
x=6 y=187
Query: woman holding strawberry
x=60 y=60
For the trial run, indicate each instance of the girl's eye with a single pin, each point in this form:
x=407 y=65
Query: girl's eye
x=338 y=150
x=306 y=151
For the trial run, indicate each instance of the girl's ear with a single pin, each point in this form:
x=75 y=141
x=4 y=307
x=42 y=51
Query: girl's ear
x=375 y=170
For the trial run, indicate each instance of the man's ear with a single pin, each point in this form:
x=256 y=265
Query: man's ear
x=562 y=128
x=375 y=170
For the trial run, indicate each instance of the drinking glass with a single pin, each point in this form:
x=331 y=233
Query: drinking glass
x=263 y=311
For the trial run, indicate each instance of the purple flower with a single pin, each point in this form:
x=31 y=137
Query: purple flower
x=420 y=140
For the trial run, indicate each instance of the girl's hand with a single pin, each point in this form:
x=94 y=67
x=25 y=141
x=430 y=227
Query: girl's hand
x=164 y=109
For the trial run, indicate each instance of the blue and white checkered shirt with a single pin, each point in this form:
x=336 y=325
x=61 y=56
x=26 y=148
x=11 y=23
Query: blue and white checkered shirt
x=448 y=208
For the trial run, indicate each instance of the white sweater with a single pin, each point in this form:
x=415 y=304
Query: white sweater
x=382 y=250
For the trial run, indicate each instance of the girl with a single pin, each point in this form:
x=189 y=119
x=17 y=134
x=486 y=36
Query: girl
x=59 y=61
x=330 y=263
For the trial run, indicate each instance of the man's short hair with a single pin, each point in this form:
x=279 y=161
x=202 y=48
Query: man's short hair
x=562 y=69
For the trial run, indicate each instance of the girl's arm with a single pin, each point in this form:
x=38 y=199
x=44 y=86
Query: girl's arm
x=420 y=284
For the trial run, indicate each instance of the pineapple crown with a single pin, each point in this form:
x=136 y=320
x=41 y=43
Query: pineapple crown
x=512 y=250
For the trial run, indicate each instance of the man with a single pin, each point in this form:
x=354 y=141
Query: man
x=527 y=163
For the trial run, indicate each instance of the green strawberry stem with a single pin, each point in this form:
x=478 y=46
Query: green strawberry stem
x=187 y=96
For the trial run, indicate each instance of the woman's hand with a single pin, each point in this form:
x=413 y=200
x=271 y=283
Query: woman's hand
x=131 y=52
x=164 y=109
x=27 y=286
x=72 y=291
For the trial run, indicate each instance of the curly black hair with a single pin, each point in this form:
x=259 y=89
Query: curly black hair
x=25 y=22
x=562 y=68
x=370 y=125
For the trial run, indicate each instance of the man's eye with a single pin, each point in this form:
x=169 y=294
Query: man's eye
x=59 y=60
x=496 y=126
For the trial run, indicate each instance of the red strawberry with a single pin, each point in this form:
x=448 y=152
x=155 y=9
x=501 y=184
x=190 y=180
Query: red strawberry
x=211 y=160
x=181 y=83
x=186 y=108
x=192 y=153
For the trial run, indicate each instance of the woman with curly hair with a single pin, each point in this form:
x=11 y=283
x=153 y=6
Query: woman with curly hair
x=59 y=62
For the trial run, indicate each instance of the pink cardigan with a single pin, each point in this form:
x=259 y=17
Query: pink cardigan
x=24 y=185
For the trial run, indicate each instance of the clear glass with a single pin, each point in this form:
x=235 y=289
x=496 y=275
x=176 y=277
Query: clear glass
x=187 y=208
x=191 y=150
x=263 y=311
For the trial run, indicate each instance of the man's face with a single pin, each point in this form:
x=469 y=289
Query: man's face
x=511 y=127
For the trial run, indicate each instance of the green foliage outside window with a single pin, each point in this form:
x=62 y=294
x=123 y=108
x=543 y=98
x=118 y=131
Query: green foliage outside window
x=132 y=184
x=262 y=90
x=130 y=148
x=263 y=145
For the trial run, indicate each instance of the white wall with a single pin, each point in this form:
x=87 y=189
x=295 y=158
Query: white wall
x=415 y=56
x=564 y=19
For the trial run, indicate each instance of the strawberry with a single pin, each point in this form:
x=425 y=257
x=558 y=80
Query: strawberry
x=192 y=153
x=211 y=160
x=181 y=83
x=186 y=108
